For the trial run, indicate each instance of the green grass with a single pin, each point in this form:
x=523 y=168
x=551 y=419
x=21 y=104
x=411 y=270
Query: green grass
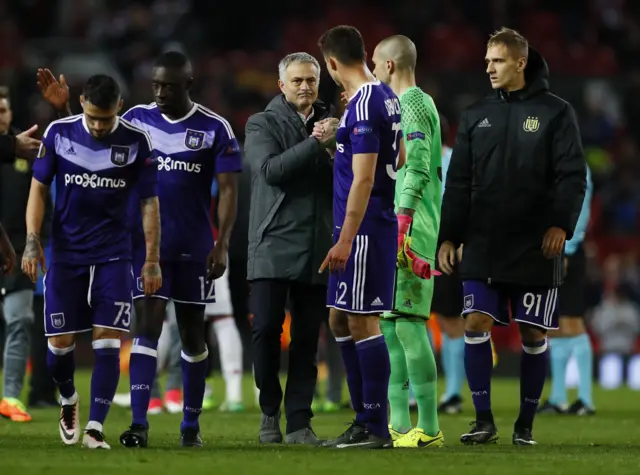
x=608 y=443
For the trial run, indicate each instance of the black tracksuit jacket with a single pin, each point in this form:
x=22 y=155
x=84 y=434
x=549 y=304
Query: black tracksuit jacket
x=517 y=169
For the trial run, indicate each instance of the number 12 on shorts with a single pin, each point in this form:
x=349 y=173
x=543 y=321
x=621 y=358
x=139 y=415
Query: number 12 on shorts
x=207 y=288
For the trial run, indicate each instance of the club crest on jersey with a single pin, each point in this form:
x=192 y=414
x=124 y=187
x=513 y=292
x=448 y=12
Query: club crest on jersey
x=42 y=151
x=532 y=124
x=194 y=139
x=362 y=130
x=120 y=155
x=415 y=136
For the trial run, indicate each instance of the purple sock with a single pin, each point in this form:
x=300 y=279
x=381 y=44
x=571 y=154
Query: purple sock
x=478 y=365
x=62 y=366
x=533 y=373
x=142 y=371
x=104 y=380
x=194 y=374
x=376 y=369
x=354 y=376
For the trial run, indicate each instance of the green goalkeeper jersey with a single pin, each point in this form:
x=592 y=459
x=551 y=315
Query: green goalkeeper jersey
x=419 y=182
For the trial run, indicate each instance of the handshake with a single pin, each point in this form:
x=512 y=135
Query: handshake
x=325 y=132
x=407 y=259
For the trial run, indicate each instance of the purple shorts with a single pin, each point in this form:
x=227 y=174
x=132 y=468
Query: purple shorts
x=535 y=306
x=367 y=284
x=182 y=281
x=78 y=298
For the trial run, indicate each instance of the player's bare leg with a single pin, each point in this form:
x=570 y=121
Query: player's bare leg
x=367 y=363
x=61 y=364
x=452 y=363
x=150 y=314
x=533 y=373
x=190 y=318
x=478 y=364
x=104 y=383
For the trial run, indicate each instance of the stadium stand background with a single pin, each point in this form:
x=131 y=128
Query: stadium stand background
x=592 y=47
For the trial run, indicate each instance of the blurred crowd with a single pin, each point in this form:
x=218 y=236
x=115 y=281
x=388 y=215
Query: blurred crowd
x=592 y=46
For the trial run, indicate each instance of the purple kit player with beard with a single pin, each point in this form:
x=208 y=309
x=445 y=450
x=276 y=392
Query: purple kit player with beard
x=97 y=158
x=363 y=259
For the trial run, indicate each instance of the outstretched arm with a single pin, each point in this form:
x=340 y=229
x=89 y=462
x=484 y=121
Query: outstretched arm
x=278 y=166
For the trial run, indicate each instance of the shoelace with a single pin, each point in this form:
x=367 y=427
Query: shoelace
x=68 y=414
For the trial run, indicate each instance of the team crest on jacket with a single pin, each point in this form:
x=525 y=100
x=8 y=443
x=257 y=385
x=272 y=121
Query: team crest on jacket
x=194 y=139
x=532 y=124
x=120 y=155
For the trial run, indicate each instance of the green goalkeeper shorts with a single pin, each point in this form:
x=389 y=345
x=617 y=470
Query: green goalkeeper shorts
x=412 y=295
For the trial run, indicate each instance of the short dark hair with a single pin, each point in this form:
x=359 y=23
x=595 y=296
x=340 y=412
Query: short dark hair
x=172 y=60
x=344 y=43
x=102 y=91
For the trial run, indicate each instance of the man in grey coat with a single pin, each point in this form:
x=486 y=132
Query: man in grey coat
x=290 y=226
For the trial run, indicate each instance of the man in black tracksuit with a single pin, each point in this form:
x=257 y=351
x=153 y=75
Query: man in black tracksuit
x=513 y=194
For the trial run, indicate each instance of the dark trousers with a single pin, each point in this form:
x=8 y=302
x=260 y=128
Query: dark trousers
x=42 y=386
x=307 y=306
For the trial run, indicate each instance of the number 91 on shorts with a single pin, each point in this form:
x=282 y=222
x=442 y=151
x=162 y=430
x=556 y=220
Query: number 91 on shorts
x=532 y=305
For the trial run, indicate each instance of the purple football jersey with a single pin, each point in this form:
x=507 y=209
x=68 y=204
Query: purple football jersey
x=190 y=152
x=370 y=124
x=94 y=180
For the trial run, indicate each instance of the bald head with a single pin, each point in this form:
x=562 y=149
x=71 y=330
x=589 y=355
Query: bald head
x=399 y=49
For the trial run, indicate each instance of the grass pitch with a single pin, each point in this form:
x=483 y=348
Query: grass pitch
x=608 y=443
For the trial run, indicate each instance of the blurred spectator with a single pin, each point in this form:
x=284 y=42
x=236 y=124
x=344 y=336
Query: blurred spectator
x=617 y=322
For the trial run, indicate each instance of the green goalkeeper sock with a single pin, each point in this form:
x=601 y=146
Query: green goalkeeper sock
x=421 y=366
x=400 y=419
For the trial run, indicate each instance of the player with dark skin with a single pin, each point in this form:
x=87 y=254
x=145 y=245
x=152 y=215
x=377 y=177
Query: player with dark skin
x=171 y=87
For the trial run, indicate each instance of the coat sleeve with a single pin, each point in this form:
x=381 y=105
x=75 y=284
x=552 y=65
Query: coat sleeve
x=7 y=148
x=457 y=195
x=264 y=153
x=570 y=171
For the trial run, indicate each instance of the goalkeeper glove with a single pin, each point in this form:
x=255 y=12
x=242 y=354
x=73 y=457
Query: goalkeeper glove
x=407 y=259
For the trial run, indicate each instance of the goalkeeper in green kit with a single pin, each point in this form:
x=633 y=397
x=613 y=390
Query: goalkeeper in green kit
x=418 y=198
